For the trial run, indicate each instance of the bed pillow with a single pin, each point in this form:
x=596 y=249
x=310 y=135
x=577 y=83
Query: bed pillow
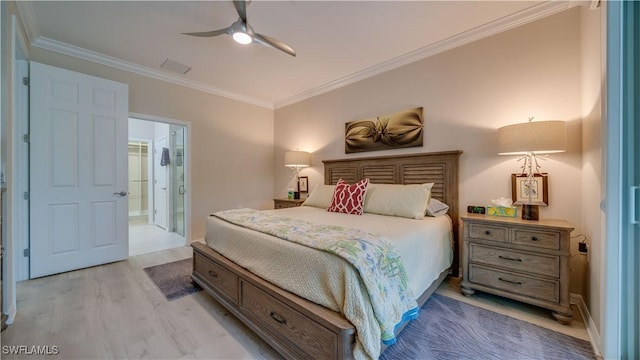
x=320 y=196
x=349 y=199
x=409 y=201
x=437 y=208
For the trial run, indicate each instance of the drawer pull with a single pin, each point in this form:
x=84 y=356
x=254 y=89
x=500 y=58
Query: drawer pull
x=510 y=281
x=277 y=318
x=213 y=273
x=487 y=232
x=534 y=238
x=508 y=258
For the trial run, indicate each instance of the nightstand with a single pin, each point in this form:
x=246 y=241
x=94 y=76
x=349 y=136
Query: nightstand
x=286 y=203
x=519 y=259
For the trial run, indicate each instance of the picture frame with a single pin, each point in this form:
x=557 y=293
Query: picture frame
x=303 y=184
x=540 y=189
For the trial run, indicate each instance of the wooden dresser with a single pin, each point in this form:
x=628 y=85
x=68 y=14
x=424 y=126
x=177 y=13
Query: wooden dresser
x=287 y=203
x=523 y=260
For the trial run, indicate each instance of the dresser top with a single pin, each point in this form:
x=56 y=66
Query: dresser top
x=543 y=222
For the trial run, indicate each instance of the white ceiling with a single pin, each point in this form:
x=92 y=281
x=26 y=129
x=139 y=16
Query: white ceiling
x=337 y=42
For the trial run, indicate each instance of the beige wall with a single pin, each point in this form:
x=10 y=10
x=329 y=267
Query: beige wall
x=593 y=138
x=231 y=142
x=467 y=93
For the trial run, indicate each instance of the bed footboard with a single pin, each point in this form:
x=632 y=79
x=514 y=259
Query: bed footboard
x=293 y=326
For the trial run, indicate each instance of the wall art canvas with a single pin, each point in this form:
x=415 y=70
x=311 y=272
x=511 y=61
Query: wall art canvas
x=400 y=130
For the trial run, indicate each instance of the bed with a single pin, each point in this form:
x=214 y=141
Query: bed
x=293 y=325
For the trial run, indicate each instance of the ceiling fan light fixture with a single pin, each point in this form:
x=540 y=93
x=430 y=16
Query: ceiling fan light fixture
x=242 y=38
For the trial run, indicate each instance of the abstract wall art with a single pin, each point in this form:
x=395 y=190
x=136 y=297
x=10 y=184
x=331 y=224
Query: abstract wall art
x=400 y=130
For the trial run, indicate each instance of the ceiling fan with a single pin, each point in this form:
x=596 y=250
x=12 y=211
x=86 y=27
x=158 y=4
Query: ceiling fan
x=243 y=33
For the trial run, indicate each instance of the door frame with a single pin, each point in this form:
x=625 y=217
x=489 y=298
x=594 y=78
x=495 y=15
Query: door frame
x=16 y=263
x=186 y=163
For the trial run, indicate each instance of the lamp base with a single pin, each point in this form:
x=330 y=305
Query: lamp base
x=530 y=212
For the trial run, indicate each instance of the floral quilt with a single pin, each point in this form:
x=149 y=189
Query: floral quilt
x=373 y=256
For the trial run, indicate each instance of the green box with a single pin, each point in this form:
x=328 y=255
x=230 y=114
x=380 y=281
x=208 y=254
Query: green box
x=510 y=211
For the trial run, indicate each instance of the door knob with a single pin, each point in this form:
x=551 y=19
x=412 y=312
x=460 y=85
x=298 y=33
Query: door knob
x=121 y=193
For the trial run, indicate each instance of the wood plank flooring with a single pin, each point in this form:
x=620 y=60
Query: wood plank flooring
x=115 y=311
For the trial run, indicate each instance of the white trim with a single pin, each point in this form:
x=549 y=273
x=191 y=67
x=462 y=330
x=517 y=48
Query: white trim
x=503 y=24
x=508 y=22
x=99 y=58
x=187 y=164
x=17 y=226
x=590 y=325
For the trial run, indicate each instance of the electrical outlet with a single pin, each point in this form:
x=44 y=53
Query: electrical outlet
x=583 y=247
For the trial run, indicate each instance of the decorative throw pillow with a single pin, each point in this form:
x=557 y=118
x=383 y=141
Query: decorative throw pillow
x=349 y=199
x=409 y=201
x=320 y=196
x=437 y=208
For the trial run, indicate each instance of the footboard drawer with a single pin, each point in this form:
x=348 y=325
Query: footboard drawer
x=312 y=339
x=216 y=275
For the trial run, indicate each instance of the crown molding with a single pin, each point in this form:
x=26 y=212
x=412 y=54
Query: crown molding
x=28 y=17
x=525 y=16
x=81 y=53
x=505 y=23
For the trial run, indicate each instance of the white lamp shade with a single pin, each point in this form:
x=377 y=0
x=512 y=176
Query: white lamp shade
x=538 y=137
x=297 y=159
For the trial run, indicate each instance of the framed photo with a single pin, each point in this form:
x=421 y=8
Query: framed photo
x=537 y=187
x=303 y=184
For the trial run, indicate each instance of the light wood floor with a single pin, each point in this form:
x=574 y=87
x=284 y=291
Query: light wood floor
x=114 y=311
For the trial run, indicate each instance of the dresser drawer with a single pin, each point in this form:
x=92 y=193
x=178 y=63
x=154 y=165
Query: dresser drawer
x=547 y=290
x=224 y=280
x=539 y=239
x=519 y=261
x=314 y=340
x=488 y=232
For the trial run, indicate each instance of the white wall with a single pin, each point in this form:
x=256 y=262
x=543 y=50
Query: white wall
x=467 y=93
x=593 y=138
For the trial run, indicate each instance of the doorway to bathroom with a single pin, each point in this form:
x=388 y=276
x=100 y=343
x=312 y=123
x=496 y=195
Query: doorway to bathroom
x=157 y=187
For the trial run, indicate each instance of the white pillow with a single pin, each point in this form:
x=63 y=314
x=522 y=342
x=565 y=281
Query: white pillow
x=408 y=201
x=437 y=208
x=320 y=196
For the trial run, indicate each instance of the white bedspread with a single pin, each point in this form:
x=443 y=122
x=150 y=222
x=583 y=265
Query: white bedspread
x=425 y=247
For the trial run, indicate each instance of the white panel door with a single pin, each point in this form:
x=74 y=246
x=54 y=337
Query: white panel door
x=160 y=177
x=78 y=171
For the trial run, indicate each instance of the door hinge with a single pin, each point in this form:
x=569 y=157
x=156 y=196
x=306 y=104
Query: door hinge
x=26 y=138
x=25 y=81
x=25 y=195
x=26 y=253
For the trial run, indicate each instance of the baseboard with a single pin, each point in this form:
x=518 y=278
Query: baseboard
x=590 y=325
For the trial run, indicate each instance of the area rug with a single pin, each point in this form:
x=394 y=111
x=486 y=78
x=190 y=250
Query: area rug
x=173 y=279
x=450 y=329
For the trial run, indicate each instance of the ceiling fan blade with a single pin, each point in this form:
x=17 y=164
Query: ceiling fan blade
x=241 y=8
x=273 y=43
x=226 y=30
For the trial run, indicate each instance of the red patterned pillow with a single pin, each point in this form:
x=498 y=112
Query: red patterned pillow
x=349 y=199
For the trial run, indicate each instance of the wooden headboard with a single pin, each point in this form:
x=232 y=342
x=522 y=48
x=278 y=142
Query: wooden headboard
x=440 y=168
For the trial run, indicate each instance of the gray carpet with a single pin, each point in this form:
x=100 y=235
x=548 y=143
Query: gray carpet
x=450 y=329
x=173 y=279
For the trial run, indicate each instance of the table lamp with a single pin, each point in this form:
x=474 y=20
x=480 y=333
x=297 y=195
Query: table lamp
x=528 y=140
x=297 y=160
